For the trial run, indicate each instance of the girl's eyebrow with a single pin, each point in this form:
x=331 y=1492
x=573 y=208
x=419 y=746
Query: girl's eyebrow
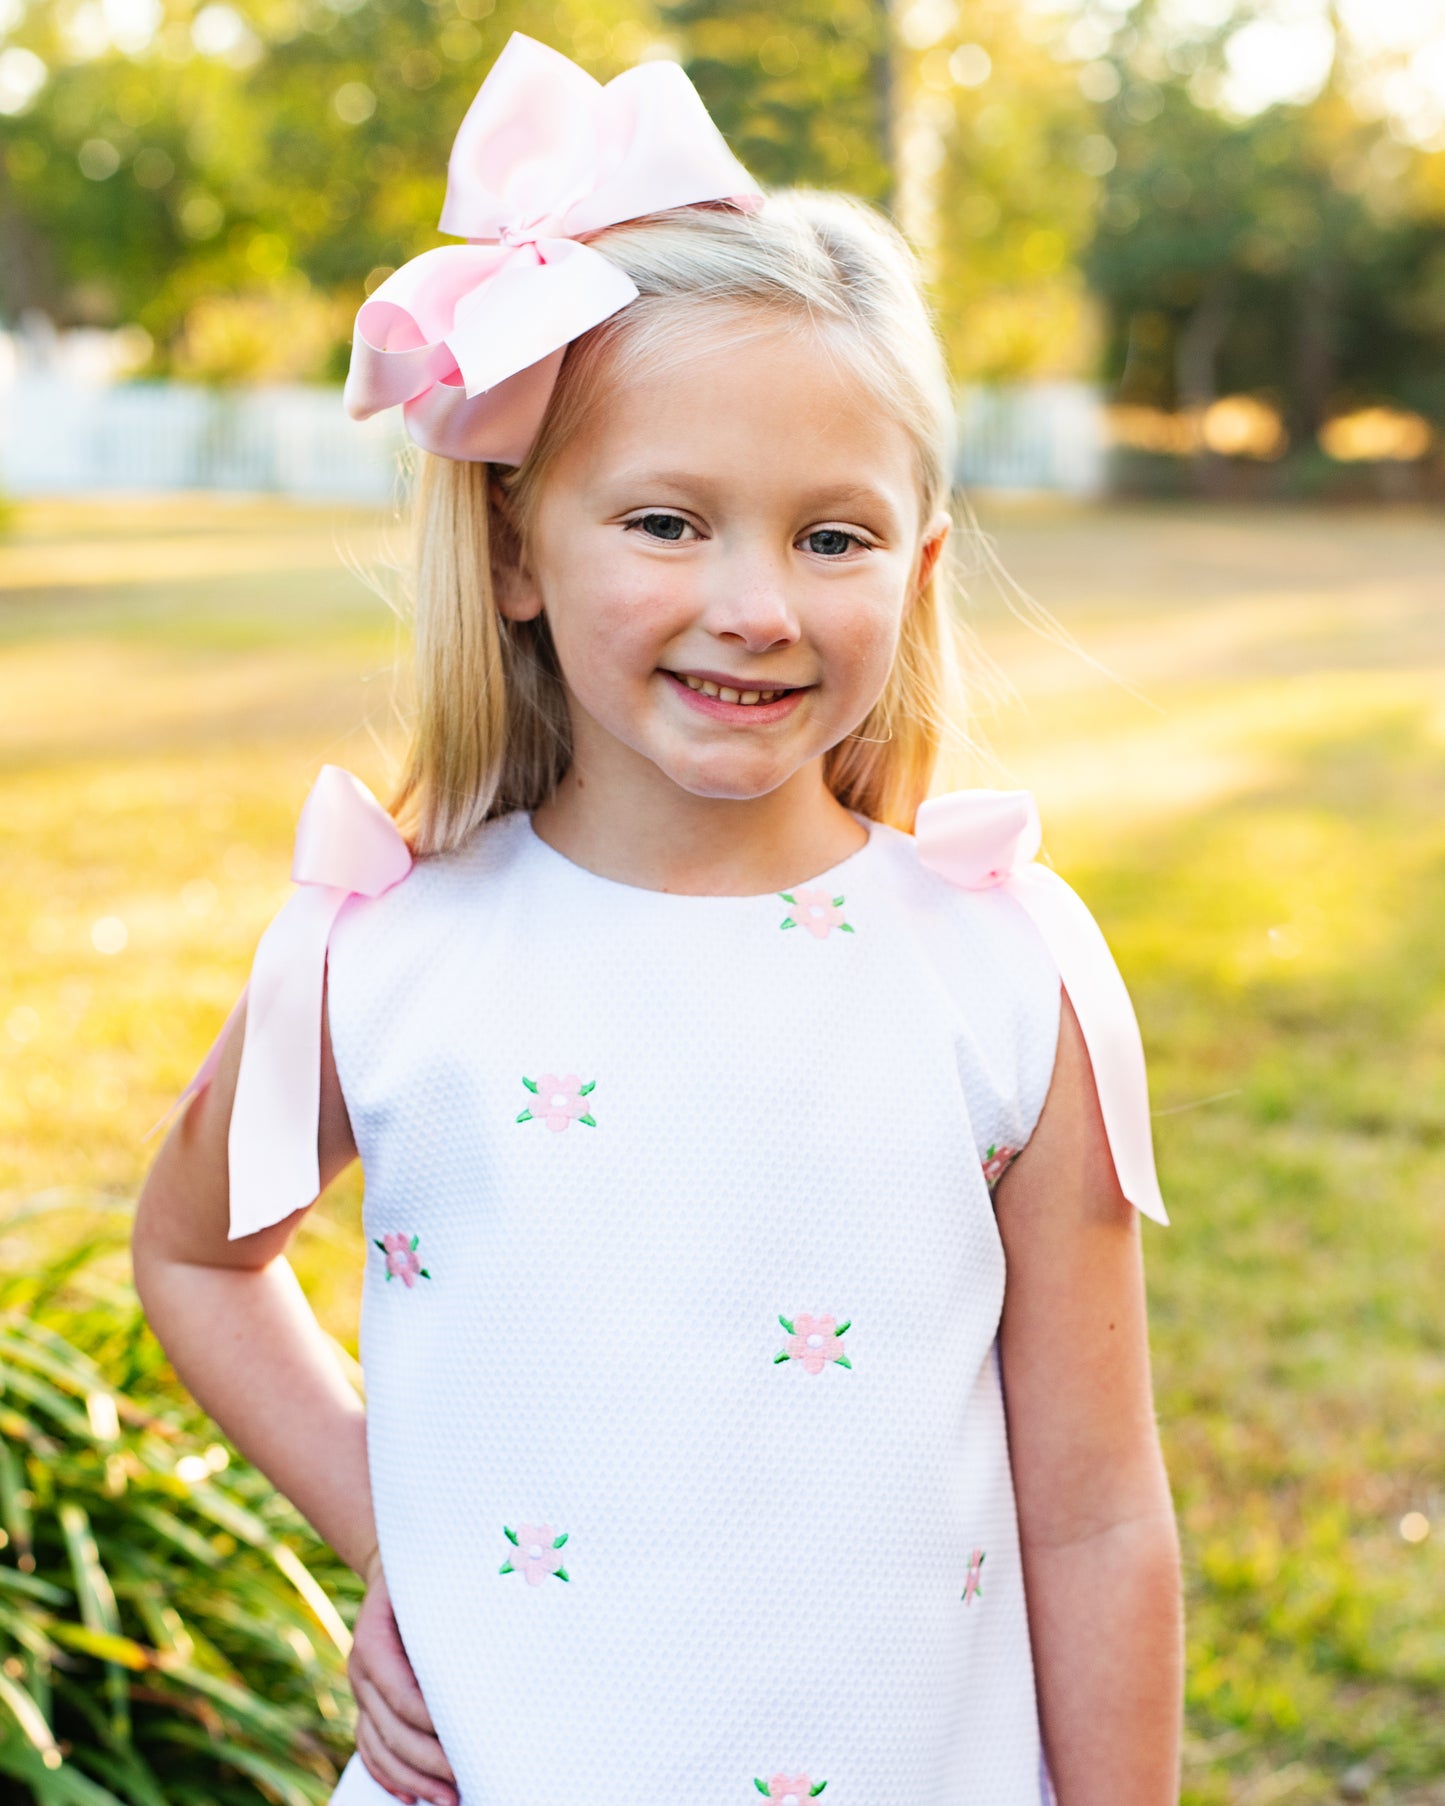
x=826 y=499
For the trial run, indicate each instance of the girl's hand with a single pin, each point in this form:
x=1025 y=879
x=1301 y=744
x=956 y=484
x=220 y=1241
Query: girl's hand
x=394 y=1734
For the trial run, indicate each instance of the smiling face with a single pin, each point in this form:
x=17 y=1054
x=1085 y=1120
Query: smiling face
x=725 y=552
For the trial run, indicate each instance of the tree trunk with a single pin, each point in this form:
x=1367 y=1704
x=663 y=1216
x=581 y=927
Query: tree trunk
x=1314 y=353
x=884 y=79
x=1196 y=369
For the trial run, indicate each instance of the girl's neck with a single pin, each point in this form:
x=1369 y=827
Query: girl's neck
x=656 y=836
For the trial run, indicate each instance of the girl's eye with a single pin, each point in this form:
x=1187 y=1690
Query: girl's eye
x=661 y=526
x=832 y=542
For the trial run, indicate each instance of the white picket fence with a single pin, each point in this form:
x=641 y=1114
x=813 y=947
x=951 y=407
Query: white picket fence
x=66 y=427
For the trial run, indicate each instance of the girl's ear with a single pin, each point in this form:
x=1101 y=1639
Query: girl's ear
x=935 y=537
x=513 y=586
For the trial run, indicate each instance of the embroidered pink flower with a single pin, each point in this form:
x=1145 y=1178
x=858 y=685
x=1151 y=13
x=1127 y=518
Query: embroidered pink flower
x=816 y=911
x=996 y=1162
x=558 y=1102
x=814 y=1341
x=402 y=1260
x=973 y=1585
x=536 y=1553
x=789 y=1790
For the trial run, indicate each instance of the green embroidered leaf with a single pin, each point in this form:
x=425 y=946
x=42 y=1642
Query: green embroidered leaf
x=843 y=1361
x=788 y=897
x=787 y=922
x=511 y=1535
x=591 y=1121
x=818 y=1789
x=506 y=1567
x=389 y=1276
x=843 y=1327
x=425 y=1274
x=557 y=1541
x=531 y=1085
x=761 y=1786
x=843 y=928
x=377 y=1244
x=837 y=902
x=787 y=1326
x=562 y=1574
x=526 y=1116
x=781 y=1355
x=591 y=1085
x=414 y=1240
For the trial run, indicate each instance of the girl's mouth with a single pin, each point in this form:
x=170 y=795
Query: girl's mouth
x=732 y=702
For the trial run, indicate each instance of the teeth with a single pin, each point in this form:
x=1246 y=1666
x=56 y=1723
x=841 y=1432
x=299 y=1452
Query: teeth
x=726 y=694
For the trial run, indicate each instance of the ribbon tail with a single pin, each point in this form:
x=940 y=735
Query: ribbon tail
x=274 y=1168
x=1111 y=1030
x=204 y=1073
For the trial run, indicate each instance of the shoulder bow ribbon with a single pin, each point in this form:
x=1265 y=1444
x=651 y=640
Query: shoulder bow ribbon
x=467 y=339
x=346 y=845
x=980 y=839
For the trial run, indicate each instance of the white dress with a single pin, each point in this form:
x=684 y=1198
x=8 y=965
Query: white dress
x=679 y=1327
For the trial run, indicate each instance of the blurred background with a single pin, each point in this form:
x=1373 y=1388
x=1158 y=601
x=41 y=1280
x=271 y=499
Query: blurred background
x=1188 y=257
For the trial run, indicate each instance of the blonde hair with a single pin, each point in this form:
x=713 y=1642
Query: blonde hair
x=491 y=731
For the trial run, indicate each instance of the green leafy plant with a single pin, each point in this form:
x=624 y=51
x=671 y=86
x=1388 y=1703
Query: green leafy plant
x=170 y=1633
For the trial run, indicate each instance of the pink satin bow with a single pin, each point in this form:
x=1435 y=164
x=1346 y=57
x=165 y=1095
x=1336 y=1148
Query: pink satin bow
x=467 y=339
x=346 y=845
x=981 y=838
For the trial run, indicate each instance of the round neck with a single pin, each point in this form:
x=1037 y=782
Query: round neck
x=826 y=878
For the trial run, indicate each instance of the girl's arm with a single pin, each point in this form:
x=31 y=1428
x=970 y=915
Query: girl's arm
x=235 y=1323
x=1100 y=1546
x=240 y=1334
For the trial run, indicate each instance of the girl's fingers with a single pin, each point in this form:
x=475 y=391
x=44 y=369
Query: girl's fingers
x=418 y=1751
x=377 y=1653
x=390 y=1771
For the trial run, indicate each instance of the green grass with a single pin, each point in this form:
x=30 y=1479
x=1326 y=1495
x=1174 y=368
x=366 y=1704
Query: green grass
x=1253 y=813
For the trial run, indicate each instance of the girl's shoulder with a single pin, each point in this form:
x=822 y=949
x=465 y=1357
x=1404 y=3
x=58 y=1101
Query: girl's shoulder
x=470 y=877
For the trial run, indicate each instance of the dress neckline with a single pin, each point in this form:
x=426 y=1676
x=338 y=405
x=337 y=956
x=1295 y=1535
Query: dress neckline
x=547 y=852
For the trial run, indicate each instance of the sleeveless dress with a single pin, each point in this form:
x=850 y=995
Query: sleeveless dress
x=679 y=1328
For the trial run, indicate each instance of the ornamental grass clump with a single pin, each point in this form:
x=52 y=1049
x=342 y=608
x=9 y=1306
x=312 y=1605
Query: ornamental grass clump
x=169 y=1627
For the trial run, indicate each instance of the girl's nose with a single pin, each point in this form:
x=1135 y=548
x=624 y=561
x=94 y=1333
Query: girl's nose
x=749 y=605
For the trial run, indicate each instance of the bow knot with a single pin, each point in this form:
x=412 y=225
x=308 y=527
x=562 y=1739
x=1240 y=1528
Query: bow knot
x=544 y=155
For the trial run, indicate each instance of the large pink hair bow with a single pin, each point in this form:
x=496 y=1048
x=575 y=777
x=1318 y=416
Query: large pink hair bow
x=346 y=845
x=982 y=838
x=467 y=339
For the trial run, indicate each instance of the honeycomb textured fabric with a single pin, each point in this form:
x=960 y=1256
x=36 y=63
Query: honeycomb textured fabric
x=679 y=1324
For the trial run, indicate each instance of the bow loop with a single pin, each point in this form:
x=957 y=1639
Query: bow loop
x=976 y=838
x=345 y=838
x=467 y=339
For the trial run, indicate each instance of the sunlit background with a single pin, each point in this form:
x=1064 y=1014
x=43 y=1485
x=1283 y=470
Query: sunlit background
x=1189 y=263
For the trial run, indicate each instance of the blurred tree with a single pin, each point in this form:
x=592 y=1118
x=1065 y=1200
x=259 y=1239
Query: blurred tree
x=1012 y=147
x=802 y=95
x=1285 y=254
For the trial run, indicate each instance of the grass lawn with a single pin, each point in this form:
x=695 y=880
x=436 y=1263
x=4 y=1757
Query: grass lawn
x=1240 y=767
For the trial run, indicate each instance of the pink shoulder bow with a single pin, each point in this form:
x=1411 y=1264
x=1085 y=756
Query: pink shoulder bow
x=346 y=844
x=468 y=339
x=981 y=838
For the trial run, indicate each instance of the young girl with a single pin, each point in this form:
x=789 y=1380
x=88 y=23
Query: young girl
x=707 y=1086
